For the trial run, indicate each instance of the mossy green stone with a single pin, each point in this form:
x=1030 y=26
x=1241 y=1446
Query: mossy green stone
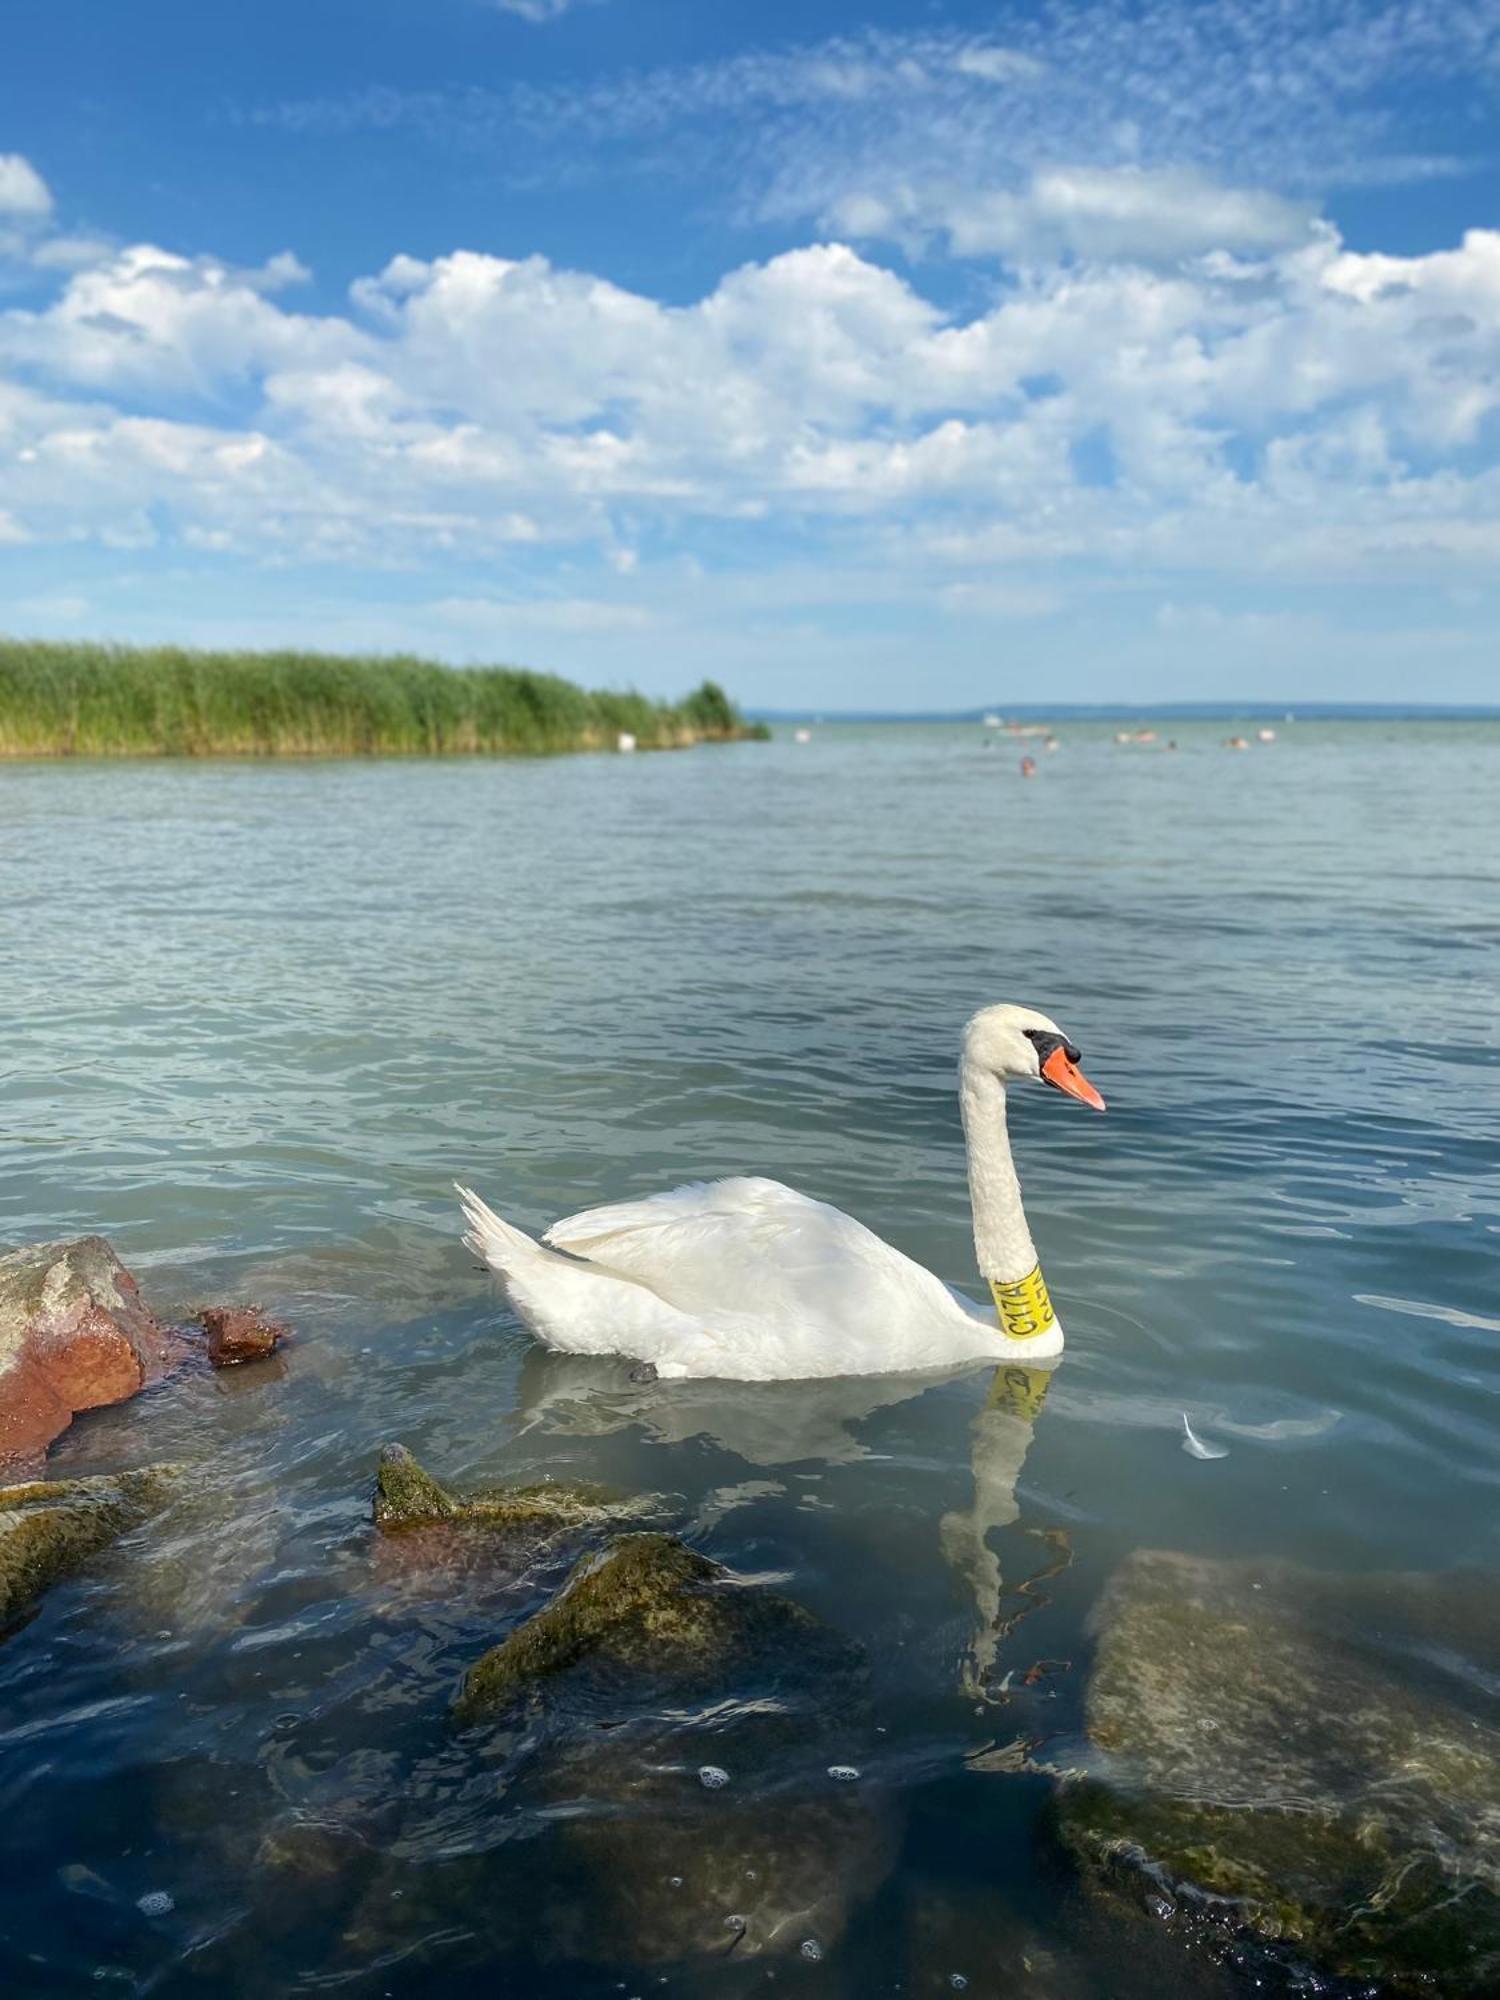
x=49 y=1528
x=407 y=1496
x=646 y=1600
x=1268 y=1749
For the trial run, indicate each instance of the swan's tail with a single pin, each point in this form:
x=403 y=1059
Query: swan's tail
x=503 y=1247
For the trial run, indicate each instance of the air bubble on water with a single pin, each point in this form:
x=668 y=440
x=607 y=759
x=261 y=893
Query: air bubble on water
x=844 y=1773
x=957 y=1981
x=736 y=1923
x=810 y=1948
x=712 y=1777
x=156 y=1903
x=674 y=1881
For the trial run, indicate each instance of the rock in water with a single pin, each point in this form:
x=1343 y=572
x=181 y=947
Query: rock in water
x=240 y=1333
x=74 y=1335
x=646 y=1600
x=1305 y=1756
x=51 y=1527
x=611 y=1711
x=407 y=1496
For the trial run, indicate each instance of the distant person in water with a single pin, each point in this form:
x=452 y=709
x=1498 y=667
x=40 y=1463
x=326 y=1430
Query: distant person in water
x=1028 y=767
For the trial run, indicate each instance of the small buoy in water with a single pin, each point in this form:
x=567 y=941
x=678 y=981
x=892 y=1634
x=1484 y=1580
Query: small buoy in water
x=156 y=1903
x=625 y=741
x=844 y=1774
x=1194 y=1445
x=802 y=736
x=712 y=1777
x=1266 y=735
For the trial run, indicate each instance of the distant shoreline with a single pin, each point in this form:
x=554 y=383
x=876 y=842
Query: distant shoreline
x=1187 y=711
x=59 y=699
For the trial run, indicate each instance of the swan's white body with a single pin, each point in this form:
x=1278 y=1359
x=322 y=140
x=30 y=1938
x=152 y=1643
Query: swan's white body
x=748 y=1280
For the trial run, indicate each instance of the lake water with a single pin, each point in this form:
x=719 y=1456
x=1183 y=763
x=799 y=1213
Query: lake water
x=260 y=1017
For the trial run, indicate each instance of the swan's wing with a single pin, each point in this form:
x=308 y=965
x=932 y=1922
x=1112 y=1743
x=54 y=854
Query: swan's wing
x=757 y=1252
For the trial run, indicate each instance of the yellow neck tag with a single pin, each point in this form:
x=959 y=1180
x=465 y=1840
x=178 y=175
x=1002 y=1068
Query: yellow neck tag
x=1024 y=1307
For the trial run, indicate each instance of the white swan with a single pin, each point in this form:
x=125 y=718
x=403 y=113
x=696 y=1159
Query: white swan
x=749 y=1281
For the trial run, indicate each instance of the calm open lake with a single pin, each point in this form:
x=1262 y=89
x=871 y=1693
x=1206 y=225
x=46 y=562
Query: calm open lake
x=258 y=1018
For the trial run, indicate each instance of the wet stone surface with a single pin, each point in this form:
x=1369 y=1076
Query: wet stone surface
x=50 y=1528
x=408 y=1498
x=237 y=1334
x=646 y=1601
x=74 y=1335
x=1301 y=1756
x=561 y=1816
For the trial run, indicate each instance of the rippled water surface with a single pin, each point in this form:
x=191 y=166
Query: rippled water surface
x=258 y=1018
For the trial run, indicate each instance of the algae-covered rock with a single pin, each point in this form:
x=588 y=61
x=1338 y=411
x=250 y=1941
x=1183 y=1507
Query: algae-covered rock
x=1305 y=1756
x=407 y=1496
x=50 y=1528
x=696 y=1778
x=645 y=1600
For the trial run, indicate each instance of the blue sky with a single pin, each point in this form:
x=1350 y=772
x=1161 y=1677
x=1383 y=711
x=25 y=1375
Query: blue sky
x=876 y=355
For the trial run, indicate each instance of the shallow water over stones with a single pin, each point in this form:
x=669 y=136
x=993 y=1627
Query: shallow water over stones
x=1309 y=1756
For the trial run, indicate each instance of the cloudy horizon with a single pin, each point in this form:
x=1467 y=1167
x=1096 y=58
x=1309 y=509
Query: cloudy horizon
x=1084 y=353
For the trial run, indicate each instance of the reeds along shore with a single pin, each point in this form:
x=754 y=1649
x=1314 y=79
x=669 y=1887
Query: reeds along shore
x=67 y=700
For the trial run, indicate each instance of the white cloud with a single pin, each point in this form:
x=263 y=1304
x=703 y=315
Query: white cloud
x=1240 y=92
x=1086 y=212
x=493 y=621
x=23 y=192
x=149 y=319
x=536 y=11
x=62 y=608
x=1303 y=408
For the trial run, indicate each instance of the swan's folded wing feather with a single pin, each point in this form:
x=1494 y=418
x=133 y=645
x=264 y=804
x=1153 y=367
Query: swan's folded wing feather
x=753 y=1248
x=743 y=1199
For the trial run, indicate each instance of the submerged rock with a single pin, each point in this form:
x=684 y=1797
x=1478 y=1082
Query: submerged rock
x=645 y=1600
x=590 y=1834
x=237 y=1334
x=74 y=1335
x=49 y=1528
x=1304 y=1756
x=407 y=1496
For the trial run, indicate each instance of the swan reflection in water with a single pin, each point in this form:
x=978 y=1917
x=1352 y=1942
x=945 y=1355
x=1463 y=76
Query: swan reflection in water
x=999 y=1443
x=774 y=1424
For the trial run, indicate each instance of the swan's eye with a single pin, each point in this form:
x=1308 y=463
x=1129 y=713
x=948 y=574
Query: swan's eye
x=1047 y=1045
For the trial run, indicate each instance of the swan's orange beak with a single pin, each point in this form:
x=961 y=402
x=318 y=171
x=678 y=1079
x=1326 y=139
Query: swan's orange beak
x=1069 y=1077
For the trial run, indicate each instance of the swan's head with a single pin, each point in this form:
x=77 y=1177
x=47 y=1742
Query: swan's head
x=1019 y=1042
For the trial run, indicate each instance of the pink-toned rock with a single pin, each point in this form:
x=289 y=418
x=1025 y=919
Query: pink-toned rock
x=240 y=1333
x=74 y=1334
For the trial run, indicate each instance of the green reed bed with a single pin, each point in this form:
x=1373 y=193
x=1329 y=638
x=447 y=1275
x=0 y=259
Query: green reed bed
x=59 y=699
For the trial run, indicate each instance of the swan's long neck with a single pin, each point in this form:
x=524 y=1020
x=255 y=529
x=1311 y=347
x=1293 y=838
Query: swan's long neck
x=1002 y=1242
